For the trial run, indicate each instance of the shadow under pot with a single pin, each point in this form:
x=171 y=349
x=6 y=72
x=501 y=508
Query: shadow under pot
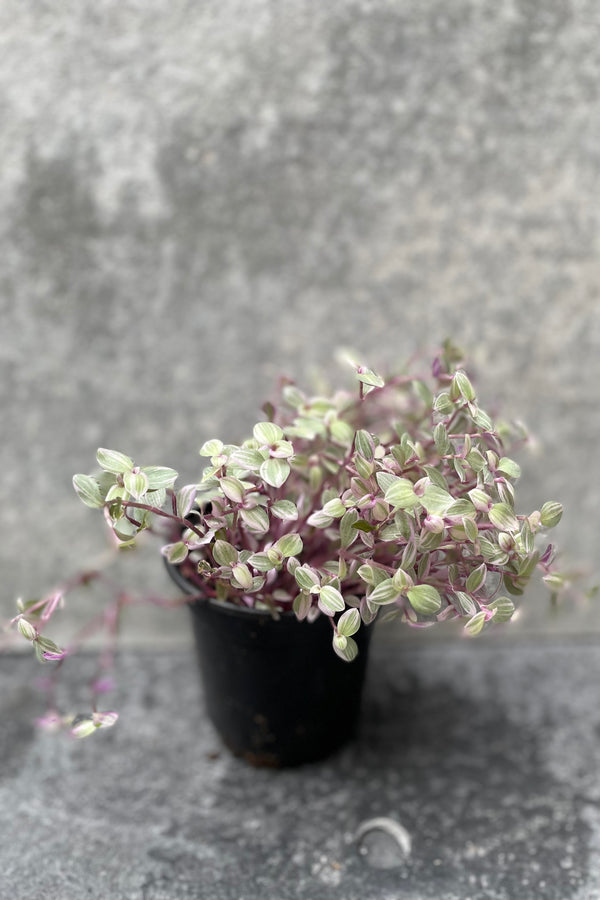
x=275 y=690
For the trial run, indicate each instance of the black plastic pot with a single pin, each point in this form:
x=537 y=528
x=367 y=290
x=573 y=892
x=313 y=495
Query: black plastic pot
x=275 y=690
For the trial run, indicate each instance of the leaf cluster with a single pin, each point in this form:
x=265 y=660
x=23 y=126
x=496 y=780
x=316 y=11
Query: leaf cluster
x=400 y=495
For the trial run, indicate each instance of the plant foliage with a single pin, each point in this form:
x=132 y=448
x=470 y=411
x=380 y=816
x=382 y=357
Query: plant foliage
x=399 y=494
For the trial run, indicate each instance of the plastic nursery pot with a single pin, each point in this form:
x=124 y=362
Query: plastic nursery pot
x=275 y=690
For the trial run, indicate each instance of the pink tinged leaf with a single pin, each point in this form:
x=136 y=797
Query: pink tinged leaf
x=51 y=655
x=548 y=555
x=47 y=649
x=83 y=728
x=232 y=488
x=175 y=553
x=285 y=510
x=434 y=524
x=282 y=450
x=447 y=613
x=105 y=720
x=103 y=685
x=200 y=542
x=51 y=722
x=330 y=600
x=52 y=603
x=302 y=604
x=185 y=499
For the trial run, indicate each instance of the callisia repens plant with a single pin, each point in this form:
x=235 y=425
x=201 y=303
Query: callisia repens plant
x=396 y=499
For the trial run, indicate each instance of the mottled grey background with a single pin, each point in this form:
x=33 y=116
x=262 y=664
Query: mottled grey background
x=197 y=196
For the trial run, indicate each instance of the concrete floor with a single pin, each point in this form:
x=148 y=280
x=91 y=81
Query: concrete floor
x=486 y=756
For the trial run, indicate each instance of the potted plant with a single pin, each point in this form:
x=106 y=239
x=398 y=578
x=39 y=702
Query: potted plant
x=395 y=500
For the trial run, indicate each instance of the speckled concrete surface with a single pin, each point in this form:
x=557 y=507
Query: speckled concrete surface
x=196 y=196
x=488 y=757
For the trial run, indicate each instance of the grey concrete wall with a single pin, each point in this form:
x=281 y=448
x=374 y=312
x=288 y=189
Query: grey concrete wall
x=197 y=196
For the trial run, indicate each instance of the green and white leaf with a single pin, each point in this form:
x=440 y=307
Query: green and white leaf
x=126 y=532
x=232 y=488
x=224 y=553
x=175 y=553
x=293 y=396
x=440 y=436
x=384 y=592
x=402 y=580
x=341 y=432
x=425 y=599
x=367 y=376
x=302 y=604
x=471 y=529
x=401 y=494
x=267 y=433
x=319 y=519
x=436 y=500
x=28 y=631
x=480 y=499
x=185 y=499
x=385 y=480
x=348 y=534
x=330 y=600
x=503 y=517
x=476 y=460
x=284 y=510
x=255 y=519
x=476 y=578
x=136 y=483
x=348 y=651
x=551 y=513
x=275 y=471
x=436 y=477
x=282 y=449
x=247 y=458
x=211 y=448
x=113 y=461
x=334 y=508
x=289 y=545
x=509 y=467
x=260 y=561
x=159 y=477
x=88 y=491
x=503 y=608
x=364 y=444
x=466 y=603
x=243 y=576
x=364 y=467
x=349 y=622
x=306 y=578
x=482 y=420
x=443 y=404
x=461 y=386
x=423 y=393
x=475 y=625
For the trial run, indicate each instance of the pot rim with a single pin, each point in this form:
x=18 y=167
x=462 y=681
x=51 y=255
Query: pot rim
x=227 y=608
